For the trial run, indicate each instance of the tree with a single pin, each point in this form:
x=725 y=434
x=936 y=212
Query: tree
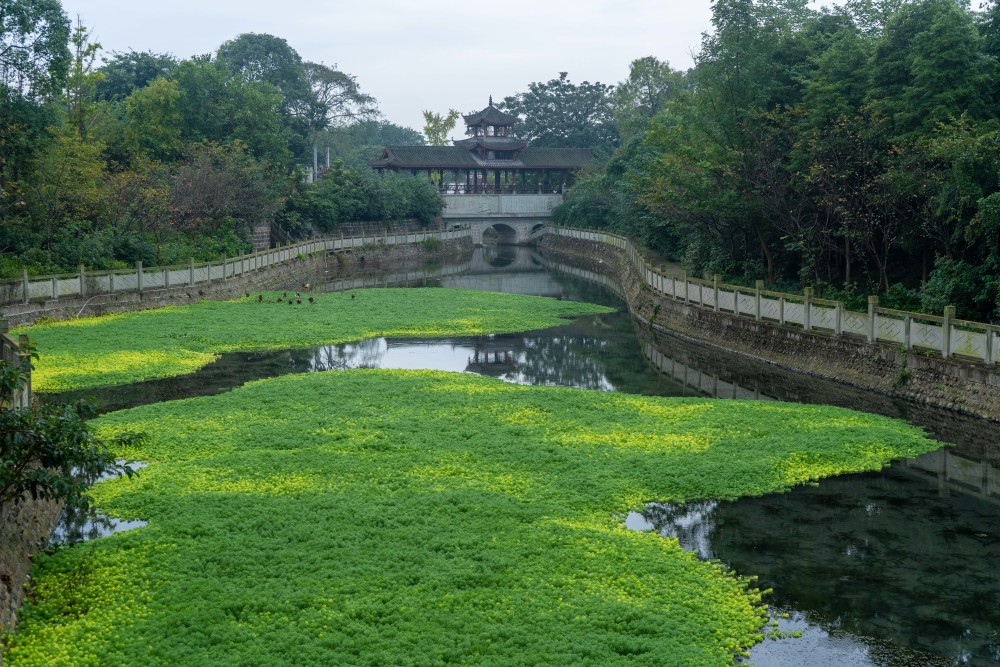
x=928 y=67
x=336 y=98
x=263 y=58
x=217 y=107
x=561 y=114
x=66 y=185
x=437 y=127
x=153 y=121
x=126 y=72
x=651 y=84
x=81 y=84
x=34 y=52
x=222 y=189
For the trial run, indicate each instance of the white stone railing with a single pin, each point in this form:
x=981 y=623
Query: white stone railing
x=86 y=284
x=944 y=334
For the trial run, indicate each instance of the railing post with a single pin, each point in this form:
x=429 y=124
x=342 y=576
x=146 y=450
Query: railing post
x=225 y=268
x=685 y=287
x=781 y=310
x=83 y=282
x=907 y=327
x=872 y=316
x=191 y=272
x=758 y=286
x=25 y=286
x=138 y=276
x=55 y=289
x=736 y=301
x=23 y=343
x=949 y=315
x=807 y=296
x=990 y=335
x=715 y=289
x=838 y=318
x=166 y=277
x=111 y=283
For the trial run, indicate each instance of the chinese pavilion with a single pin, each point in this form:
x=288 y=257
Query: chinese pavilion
x=489 y=161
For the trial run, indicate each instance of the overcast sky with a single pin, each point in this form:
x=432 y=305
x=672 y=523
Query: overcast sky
x=429 y=54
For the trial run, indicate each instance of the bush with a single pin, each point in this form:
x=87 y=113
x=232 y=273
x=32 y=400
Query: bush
x=955 y=283
x=46 y=451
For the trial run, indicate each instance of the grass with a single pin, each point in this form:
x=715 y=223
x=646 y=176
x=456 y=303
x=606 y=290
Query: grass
x=425 y=518
x=122 y=349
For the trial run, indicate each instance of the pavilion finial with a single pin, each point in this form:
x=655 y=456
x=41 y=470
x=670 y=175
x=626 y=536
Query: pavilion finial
x=491 y=100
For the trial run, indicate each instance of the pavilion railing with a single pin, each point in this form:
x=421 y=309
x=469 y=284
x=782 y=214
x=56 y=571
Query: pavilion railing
x=88 y=284
x=944 y=335
x=463 y=189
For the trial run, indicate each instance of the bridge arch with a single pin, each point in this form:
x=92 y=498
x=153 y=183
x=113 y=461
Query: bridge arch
x=501 y=234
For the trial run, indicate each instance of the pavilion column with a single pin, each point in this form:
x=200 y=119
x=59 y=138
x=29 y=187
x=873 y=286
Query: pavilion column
x=496 y=179
x=564 y=176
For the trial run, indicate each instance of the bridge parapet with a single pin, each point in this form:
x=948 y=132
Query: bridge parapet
x=500 y=206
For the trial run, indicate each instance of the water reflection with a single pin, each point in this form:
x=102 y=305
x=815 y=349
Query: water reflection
x=78 y=525
x=873 y=561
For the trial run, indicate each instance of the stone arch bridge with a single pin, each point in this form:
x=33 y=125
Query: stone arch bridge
x=515 y=219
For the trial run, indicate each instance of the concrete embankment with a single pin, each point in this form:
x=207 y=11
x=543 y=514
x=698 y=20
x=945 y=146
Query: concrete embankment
x=968 y=387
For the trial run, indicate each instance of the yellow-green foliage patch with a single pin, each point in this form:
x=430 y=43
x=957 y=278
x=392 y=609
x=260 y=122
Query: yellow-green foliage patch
x=121 y=349
x=426 y=518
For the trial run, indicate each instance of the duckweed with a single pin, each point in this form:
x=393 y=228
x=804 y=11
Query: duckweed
x=425 y=518
x=124 y=348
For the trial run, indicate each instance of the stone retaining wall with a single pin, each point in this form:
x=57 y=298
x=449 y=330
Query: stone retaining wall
x=967 y=387
x=24 y=530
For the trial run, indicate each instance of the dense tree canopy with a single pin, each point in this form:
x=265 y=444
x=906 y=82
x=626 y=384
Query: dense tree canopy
x=562 y=114
x=150 y=158
x=844 y=148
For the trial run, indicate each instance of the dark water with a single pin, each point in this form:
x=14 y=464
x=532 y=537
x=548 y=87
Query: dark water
x=889 y=569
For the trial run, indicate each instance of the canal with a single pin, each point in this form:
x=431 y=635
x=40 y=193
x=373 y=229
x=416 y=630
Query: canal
x=885 y=569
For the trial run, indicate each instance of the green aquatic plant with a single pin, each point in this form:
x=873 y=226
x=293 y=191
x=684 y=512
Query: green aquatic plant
x=425 y=518
x=120 y=349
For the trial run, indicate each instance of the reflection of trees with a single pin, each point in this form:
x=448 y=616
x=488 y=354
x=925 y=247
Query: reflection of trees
x=78 y=524
x=878 y=555
x=366 y=353
x=691 y=523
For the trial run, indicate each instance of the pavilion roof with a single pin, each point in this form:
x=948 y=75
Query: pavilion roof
x=491 y=116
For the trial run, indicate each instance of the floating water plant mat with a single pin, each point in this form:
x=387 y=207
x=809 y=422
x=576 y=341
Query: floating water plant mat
x=166 y=342
x=377 y=517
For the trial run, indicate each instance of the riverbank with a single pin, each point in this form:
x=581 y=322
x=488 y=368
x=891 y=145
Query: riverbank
x=301 y=269
x=953 y=384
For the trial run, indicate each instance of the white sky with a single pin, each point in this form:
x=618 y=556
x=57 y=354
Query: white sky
x=414 y=55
